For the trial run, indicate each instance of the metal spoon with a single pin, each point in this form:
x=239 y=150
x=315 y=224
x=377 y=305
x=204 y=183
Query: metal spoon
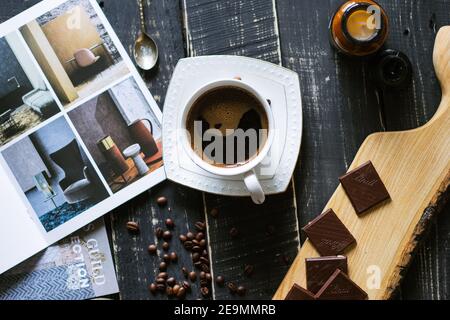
x=145 y=48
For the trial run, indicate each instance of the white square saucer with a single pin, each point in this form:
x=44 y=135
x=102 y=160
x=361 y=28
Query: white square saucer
x=280 y=85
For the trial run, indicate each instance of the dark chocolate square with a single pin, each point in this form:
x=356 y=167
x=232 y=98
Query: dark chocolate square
x=298 y=293
x=340 y=287
x=364 y=187
x=319 y=270
x=328 y=234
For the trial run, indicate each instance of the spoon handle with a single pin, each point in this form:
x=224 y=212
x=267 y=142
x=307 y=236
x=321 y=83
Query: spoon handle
x=141 y=12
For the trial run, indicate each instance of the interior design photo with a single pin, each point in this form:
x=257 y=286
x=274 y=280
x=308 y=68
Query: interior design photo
x=25 y=100
x=55 y=174
x=121 y=133
x=74 y=50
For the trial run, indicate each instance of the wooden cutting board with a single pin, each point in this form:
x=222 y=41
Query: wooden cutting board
x=415 y=167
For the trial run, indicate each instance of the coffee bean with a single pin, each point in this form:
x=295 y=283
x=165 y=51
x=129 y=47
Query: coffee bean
x=190 y=236
x=204 y=260
x=205 y=268
x=198 y=264
x=163 y=266
x=165 y=246
x=196 y=248
x=160 y=281
x=200 y=226
x=202 y=275
x=181 y=294
x=203 y=283
x=214 y=212
x=184 y=271
x=220 y=281
x=205 y=253
x=152 y=249
x=161 y=201
x=132 y=226
x=171 y=281
x=203 y=243
x=186 y=285
x=204 y=291
x=195 y=242
x=195 y=256
x=159 y=233
x=241 y=290
x=208 y=277
x=161 y=287
x=169 y=292
x=232 y=287
x=199 y=236
x=176 y=288
x=183 y=238
x=169 y=223
x=234 y=232
x=152 y=288
x=167 y=235
x=192 y=276
x=173 y=257
x=166 y=258
x=188 y=245
x=248 y=270
x=162 y=275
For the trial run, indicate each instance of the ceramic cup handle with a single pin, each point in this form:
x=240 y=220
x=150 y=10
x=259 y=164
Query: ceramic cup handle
x=253 y=185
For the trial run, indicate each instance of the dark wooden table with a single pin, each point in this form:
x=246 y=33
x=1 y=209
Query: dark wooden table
x=341 y=106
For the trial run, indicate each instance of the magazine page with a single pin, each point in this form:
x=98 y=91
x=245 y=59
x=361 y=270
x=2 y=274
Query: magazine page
x=80 y=133
x=77 y=267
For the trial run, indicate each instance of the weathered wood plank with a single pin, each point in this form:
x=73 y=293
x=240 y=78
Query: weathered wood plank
x=245 y=28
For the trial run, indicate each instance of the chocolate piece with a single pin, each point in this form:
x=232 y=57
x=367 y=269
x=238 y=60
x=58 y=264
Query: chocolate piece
x=328 y=234
x=298 y=293
x=340 y=287
x=364 y=187
x=319 y=270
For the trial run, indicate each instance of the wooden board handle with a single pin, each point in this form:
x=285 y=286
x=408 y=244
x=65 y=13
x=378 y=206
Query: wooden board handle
x=441 y=60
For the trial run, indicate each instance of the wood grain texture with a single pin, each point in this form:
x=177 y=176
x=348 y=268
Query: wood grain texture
x=245 y=28
x=415 y=167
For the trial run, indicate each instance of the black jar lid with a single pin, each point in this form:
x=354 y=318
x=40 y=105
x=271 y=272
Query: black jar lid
x=391 y=68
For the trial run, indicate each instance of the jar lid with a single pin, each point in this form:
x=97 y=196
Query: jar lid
x=392 y=68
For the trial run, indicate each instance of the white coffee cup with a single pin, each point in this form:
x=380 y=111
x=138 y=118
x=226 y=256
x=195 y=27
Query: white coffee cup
x=246 y=170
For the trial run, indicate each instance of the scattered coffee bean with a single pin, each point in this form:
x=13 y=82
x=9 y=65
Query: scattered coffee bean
x=169 y=292
x=203 y=283
x=185 y=272
x=160 y=281
x=202 y=275
x=198 y=264
x=196 y=248
x=159 y=232
x=199 y=236
x=183 y=238
x=205 y=253
x=166 y=258
x=204 y=260
x=214 y=212
x=173 y=257
x=161 y=201
x=161 y=287
x=192 y=276
x=232 y=287
x=234 y=232
x=195 y=256
x=220 y=281
x=188 y=245
x=195 y=242
x=190 y=236
x=241 y=290
x=165 y=246
x=208 y=277
x=152 y=249
x=171 y=281
x=200 y=226
x=248 y=270
x=169 y=223
x=204 y=291
x=152 y=288
x=181 y=294
x=163 y=266
x=205 y=268
x=203 y=243
x=132 y=226
x=186 y=285
x=162 y=275
x=176 y=288
x=167 y=235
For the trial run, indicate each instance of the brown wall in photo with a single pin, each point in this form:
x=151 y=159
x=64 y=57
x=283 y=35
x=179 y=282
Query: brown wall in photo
x=49 y=62
x=70 y=32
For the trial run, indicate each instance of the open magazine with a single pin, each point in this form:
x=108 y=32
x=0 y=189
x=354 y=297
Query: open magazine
x=78 y=267
x=80 y=133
